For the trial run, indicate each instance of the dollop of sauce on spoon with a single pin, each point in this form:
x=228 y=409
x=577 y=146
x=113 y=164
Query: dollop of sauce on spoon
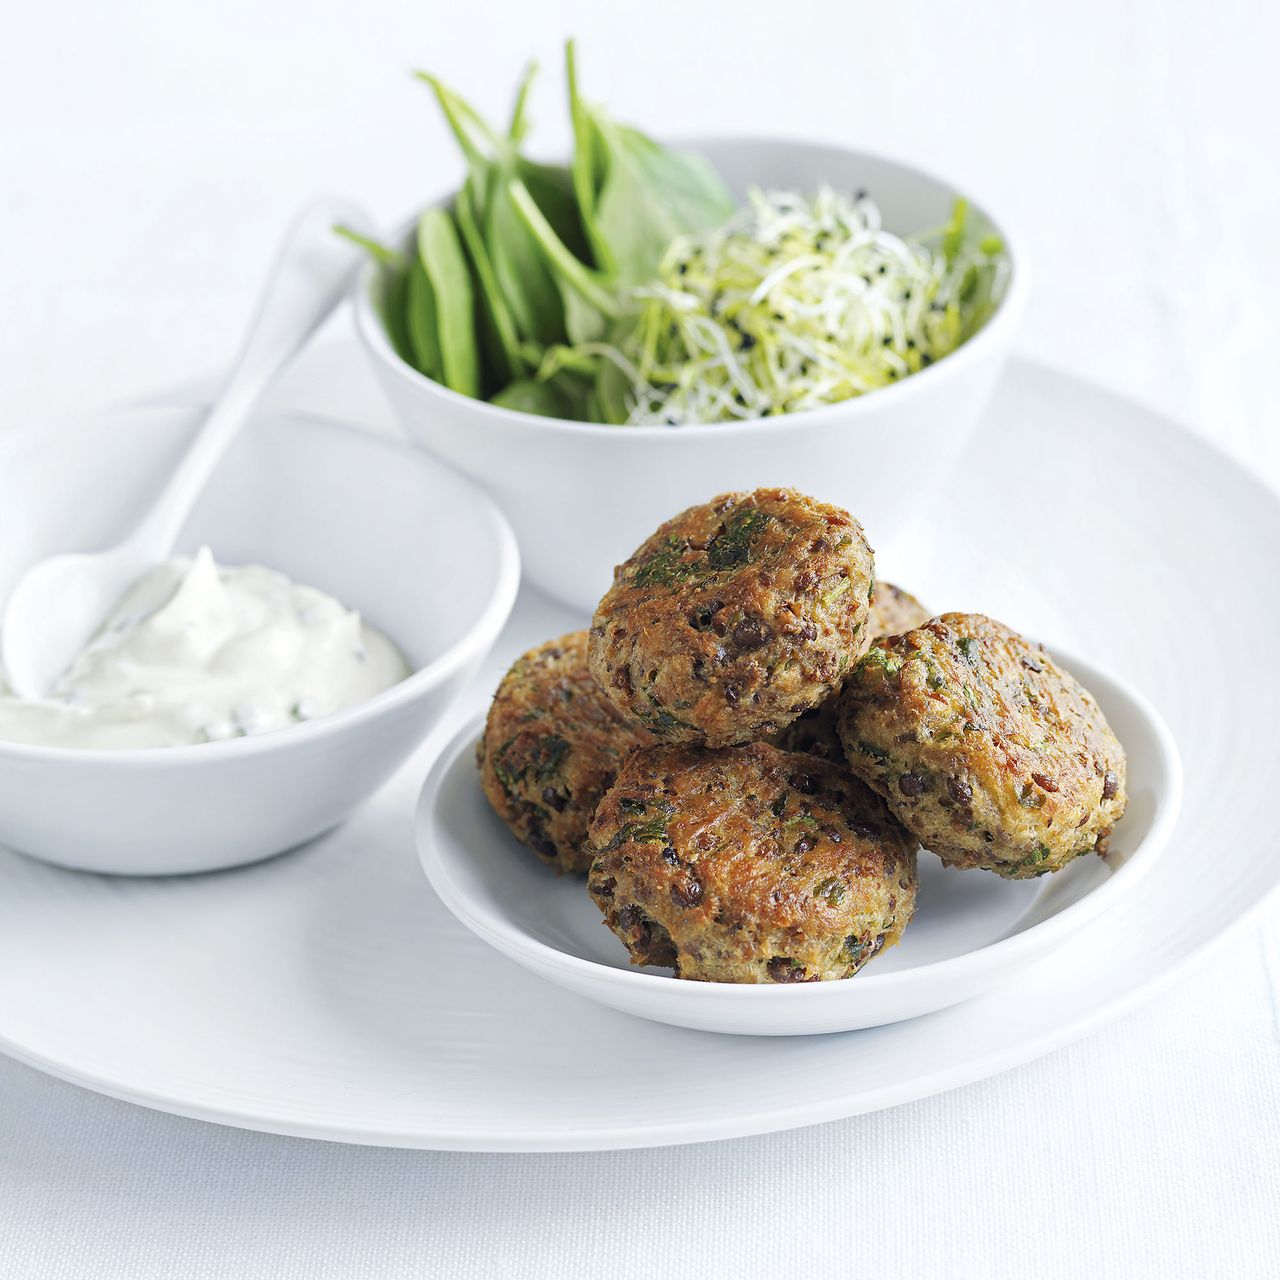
x=198 y=653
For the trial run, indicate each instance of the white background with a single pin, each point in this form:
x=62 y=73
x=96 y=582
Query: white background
x=150 y=153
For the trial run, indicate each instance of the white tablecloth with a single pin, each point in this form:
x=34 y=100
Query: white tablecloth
x=151 y=154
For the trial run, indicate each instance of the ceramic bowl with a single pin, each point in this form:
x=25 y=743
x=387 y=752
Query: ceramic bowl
x=582 y=496
x=420 y=552
x=971 y=930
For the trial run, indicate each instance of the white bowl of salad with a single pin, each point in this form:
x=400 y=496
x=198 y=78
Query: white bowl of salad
x=645 y=327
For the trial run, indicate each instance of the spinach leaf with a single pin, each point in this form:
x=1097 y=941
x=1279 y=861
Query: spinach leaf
x=557 y=398
x=519 y=125
x=497 y=330
x=394 y=308
x=421 y=321
x=571 y=271
x=613 y=393
x=583 y=322
x=649 y=197
x=626 y=198
x=474 y=136
x=521 y=268
x=446 y=267
x=551 y=187
x=577 y=359
x=520 y=272
x=588 y=163
x=534 y=256
x=634 y=196
x=382 y=254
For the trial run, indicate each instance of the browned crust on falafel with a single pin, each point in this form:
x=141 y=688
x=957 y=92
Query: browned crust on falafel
x=986 y=750
x=749 y=865
x=552 y=744
x=734 y=617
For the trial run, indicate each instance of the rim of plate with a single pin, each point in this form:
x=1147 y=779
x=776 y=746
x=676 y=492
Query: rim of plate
x=478 y=638
x=373 y=336
x=500 y=932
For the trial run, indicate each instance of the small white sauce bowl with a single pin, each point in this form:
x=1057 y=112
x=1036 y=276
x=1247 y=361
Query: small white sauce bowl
x=562 y=483
x=421 y=553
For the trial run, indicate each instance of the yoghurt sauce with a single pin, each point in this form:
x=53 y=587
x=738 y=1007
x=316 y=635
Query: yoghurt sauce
x=197 y=653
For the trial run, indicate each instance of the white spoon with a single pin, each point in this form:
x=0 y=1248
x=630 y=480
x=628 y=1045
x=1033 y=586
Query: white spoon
x=58 y=605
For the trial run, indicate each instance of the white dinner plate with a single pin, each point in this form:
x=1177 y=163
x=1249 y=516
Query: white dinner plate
x=329 y=993
x=970 y=930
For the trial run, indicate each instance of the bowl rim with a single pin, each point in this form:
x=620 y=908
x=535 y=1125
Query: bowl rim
x=997 y=329
x=475 y=641
x=551 y=962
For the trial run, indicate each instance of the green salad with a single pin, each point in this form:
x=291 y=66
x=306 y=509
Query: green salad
x=630 y=288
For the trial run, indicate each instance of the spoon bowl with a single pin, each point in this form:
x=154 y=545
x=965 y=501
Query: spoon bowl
x=57 y=608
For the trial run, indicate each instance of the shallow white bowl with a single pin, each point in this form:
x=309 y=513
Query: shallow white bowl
x=561 y=483
x=419 y=551
x=971 y=928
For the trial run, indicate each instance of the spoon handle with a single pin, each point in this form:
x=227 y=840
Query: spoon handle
x=311 y=274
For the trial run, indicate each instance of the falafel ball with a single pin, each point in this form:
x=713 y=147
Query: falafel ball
x=986 y=750
x=734 y=617
x=747 y=864
x=552 y=745
x=894 y=611
x=817 y=730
